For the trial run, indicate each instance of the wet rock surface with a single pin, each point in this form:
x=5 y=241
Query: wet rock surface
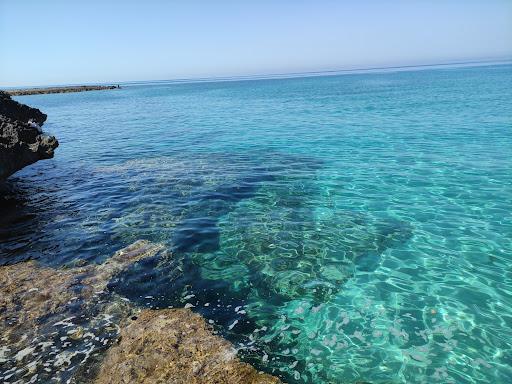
x=22 y=141
x=57 y=325
x=174 y=346
x=52 y=321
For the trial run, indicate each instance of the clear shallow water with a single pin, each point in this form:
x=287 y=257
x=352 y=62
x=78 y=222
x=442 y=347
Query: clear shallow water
x=337 y=229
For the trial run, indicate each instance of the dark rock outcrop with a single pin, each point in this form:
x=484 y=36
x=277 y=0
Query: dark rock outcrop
x=21 y=140
x=16 y=111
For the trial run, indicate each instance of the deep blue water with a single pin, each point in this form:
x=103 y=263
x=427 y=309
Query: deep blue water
x=337 y=229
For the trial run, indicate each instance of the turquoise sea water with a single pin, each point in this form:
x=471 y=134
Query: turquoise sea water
x=336 y=229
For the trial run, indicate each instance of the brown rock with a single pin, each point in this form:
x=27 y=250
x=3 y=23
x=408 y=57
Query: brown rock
x=174 y=346
x=28 y=291
x=33 y=299
x=55 y=323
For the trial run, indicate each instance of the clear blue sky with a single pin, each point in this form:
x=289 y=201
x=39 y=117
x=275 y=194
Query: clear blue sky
x=57 y=42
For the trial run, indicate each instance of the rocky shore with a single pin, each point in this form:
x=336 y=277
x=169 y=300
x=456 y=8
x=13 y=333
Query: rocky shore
x=174 y=346
x=22 y=141
x=65 y=325
x=69 y=89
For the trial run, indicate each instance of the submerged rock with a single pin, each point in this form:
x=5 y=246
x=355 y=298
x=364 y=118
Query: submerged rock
x=175 y=346
x=21 y=140
x=29 y=291
x=53 y=320
x=38 y=303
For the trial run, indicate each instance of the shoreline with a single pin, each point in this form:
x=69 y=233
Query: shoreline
x=66 y=89
x=66 y=324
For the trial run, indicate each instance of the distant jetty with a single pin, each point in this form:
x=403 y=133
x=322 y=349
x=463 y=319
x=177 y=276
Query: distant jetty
x=40 y=91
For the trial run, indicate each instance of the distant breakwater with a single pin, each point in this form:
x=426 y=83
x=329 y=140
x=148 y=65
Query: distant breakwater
x=40 y=91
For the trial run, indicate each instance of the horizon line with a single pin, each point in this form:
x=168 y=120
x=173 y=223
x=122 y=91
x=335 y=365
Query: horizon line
x=332 y=72
x=281 y=75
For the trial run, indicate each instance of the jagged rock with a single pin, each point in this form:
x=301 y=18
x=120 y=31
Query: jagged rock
x=175 y=346
x=16 y=111
x=21 y=140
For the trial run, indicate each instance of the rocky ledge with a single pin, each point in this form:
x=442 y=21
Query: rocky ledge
x=174 y=346
x=22 y=142
x=65 y=325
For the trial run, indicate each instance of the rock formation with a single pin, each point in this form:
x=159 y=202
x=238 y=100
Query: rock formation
x=21 y=139
x=175 y=346
x=65 y=325
x=38 y=304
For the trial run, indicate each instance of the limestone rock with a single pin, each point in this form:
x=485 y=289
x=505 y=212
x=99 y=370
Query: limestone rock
x=39 y=305
x=55 y=325
x=175 y=346
x=28 y=291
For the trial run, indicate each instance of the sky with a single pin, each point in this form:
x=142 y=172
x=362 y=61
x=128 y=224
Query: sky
x=96 y=41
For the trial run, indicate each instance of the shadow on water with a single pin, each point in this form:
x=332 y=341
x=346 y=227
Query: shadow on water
x=46 y=218
x=240 y=255
x=199 y=231
x=59 y=213
x=25 y=210
x=249 y=235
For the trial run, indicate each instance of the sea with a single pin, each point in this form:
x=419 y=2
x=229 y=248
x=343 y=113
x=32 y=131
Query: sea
x=343 y=228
